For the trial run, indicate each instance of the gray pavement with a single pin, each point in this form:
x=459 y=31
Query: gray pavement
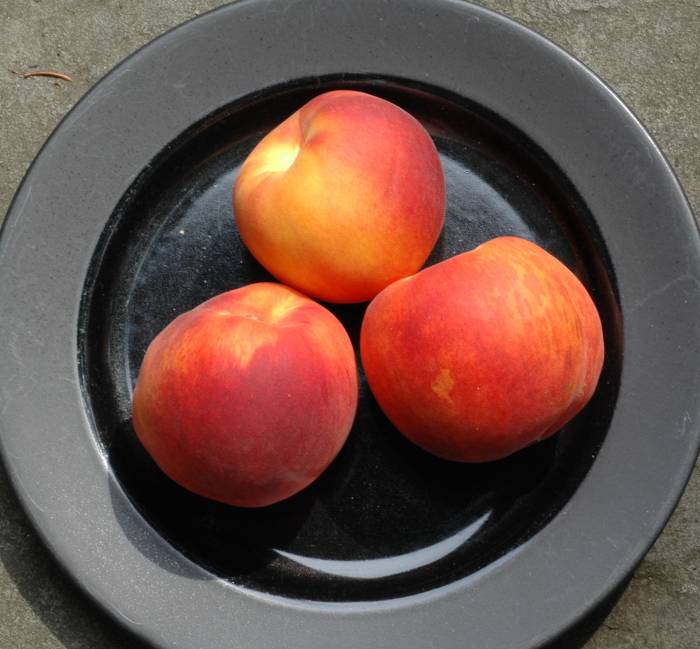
x=648 y=51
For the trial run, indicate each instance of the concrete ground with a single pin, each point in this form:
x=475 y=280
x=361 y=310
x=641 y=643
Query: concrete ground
x=647 y=50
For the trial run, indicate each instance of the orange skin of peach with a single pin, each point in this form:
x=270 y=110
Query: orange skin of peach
x=344 y=197
x=485 y=353
x=247 y=398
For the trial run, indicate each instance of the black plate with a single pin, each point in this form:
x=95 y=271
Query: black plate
x=387 y=519
x=125 y=221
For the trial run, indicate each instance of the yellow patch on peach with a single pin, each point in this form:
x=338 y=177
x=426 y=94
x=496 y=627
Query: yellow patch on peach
x=245 y=341
x=278 y=158
x=268 y=307
x=442 y=384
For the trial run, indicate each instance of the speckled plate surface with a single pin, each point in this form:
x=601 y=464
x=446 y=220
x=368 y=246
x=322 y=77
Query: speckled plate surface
x=124 y=220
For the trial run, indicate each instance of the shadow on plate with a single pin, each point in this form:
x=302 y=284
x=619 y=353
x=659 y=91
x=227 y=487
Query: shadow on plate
x=76 y=622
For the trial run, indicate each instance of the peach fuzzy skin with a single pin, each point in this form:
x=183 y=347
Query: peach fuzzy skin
x=344 y=197
x=247 y=398
x=485 y=353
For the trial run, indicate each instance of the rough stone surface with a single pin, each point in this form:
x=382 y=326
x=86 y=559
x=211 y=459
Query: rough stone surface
x=647 y=50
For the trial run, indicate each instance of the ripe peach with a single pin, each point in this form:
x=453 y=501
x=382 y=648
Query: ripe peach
x=247 y=398
x=342 y=198
x=484 y=353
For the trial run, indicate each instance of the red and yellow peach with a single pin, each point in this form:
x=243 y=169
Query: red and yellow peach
x=484 y=353
x=247 y=398
x=344 y=197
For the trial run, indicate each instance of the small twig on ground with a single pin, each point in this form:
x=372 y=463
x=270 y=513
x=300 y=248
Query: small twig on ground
x=43 y=73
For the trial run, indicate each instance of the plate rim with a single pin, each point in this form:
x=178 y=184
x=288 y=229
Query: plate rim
x=19 y=227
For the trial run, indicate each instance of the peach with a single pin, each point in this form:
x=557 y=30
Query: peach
x=484 y=353
x=342 y=198
x=247 y=398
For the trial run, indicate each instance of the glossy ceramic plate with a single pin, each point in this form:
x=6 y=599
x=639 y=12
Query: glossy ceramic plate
x=125 y=220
